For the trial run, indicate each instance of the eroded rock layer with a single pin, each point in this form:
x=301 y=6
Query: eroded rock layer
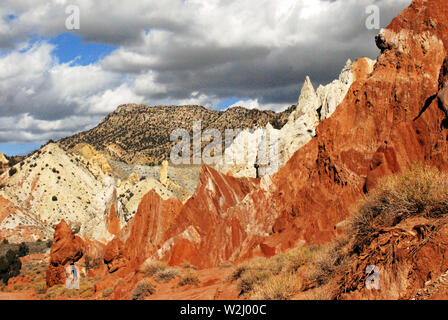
x=387 y=120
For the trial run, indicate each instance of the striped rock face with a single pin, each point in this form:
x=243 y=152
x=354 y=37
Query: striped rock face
x=385 y=122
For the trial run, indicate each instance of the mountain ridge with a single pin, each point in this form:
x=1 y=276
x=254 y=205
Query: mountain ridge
x=143 y=133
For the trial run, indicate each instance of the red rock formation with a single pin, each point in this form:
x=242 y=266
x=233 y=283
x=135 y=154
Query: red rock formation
x=407 y=256
x=384 y=124
x=139 y=239
x=66 y=248
x=160 y=229
x=387 y=121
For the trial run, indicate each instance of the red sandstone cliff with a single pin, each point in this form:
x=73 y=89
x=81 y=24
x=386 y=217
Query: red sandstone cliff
x=387 y=121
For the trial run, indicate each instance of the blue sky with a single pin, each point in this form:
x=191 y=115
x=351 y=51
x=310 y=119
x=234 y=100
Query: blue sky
x=18 y=149
x=70 y=47
x=225 y=103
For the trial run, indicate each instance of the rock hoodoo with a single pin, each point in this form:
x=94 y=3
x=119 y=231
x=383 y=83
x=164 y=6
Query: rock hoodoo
x=66 y=248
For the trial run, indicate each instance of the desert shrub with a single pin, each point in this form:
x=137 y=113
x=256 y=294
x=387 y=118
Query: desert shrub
x=10 y=266
x=143 y=289
x=55 y=291
x=12 y=172
x=279 y=287
x=20 y=286
x=5 y=241
x=188 y=265
x=294 y=259
x=107 y=292
x=88 y=293
x=23 y=250
x=166 y=275
x=39 y=287
x=151 y=267
x=256 y=271
x=421 y=189
x=190 y=277
x=250 y=278
x=332 y=263
x=254 y=264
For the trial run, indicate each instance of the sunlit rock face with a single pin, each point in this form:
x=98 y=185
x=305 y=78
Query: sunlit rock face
x=265 y=150
x=388 y=119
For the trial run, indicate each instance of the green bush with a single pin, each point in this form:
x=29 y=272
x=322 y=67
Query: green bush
x=12 y=171
x=23 y=250
x=10 y=266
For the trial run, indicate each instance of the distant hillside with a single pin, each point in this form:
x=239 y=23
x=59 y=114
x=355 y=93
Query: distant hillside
x=141 y=135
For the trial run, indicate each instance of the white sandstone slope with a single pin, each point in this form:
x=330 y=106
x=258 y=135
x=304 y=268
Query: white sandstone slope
x=312 y=107
x=77 y=186
x=52 y=185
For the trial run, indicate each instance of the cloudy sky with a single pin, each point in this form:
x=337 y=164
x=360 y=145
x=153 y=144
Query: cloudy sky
x=217 y=53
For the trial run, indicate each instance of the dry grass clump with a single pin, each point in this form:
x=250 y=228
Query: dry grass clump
x=166 y=275
x=107 y=292
x=143 y=289
x=332 y=262
x=188 y=265
x=422 y=189
x=39 y=287
x=279 y=287
x=151 y=267
x=55 y=291
x=86 y=289
x=262 y=276
x=88 y=293
x=190 y=277
x=252 y=277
